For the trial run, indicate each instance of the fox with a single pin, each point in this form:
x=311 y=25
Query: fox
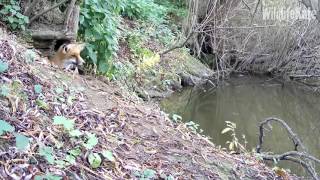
x=68 y=55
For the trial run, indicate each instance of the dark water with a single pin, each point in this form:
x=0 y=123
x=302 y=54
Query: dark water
x=247 y=101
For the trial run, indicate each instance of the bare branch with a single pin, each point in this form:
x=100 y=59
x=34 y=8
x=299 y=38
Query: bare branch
x=177 y=46
x=302 y=158
x=30 y=7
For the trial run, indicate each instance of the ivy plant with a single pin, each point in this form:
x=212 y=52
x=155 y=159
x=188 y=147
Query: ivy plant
x=11 y=14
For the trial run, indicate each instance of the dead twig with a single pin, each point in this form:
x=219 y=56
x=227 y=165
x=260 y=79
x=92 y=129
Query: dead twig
x=177 y=46
x=303 y=158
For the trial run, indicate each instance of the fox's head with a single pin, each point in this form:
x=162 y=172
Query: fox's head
x=73 y=50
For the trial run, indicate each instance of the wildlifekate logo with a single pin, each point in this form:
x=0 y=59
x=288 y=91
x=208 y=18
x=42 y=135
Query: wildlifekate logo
x=286 y=11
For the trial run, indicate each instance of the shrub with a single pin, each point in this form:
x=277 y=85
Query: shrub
x=144 y=10
x=98 y=28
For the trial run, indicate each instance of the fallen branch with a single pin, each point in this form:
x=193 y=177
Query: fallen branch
x=296 y=141
x=177 y=46
x=47 y=10
x=303 y=158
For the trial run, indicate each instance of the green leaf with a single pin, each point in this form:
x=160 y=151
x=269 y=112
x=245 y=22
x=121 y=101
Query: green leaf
x=4 y=91
x=70 y=100
x=61 y=120
x=48 y=176
x=38 y=88
x=30 y=55
x=94 y=160
x=176 y=118
x=75 y=151
x=92 y=141
x=149 y=173
x=71 y=159
x=5 y=127
x=3 y=66
x=22 y=142
x=42 y=104
x=109 y=155
x=75 y=133
x=60 y=163
x=47 y=153
x=225 y=130
x=59 y=90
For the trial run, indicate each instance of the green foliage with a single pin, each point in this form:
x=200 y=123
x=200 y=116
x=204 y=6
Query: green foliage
x=143 y=10
x=42 y=104
x=5 y=91
x=66 y=123
x=108 y=155
x=48 y=176
x=3 y=66
x=38 y=88
x=146 y=174
x=22 y=142
x=98 y=28
x=94 y=160
x=193 y=126
x=59 y=90
x=30 y=56
x=234 y=144
x=176 y=118
x=5 y=127
x=47 y=153
x=75 y=151
x=91 y=142
x=11 y=14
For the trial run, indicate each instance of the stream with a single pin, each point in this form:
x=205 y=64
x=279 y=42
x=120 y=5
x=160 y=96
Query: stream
x=246 y=101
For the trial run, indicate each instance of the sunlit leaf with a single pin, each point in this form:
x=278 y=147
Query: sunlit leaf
x=47 y=153
x=225 y=130
x=42 y=104
x=109 y=155
x=71 y=159
x=176 y=118
x=4 y=91
x=3 y=66
x=75 y=151
x=5 y=127
x=59 y=90
x=37 y=88
x=66 y=123
x=22 y=142
x=94 y=160
x=75 y=133
x=149 y=173
x=48 y=176
x=91 y=142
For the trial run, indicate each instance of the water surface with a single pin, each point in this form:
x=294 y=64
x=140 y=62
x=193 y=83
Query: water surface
x=247 y=101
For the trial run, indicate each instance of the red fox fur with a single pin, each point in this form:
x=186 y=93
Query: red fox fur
x=68 y=54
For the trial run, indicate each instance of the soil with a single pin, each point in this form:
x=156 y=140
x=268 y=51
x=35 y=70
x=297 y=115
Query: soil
x=140 y=136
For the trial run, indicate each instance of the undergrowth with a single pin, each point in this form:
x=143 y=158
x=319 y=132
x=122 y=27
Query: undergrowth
x=99 y=28
x=10 y=13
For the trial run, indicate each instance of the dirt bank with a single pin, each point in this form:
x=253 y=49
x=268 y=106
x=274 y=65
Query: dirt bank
x=133 y=140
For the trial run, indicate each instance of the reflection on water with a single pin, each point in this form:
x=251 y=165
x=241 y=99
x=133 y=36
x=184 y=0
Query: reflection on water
x=247 y=101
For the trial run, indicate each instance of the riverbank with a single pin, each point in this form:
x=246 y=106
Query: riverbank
x=84 y=128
